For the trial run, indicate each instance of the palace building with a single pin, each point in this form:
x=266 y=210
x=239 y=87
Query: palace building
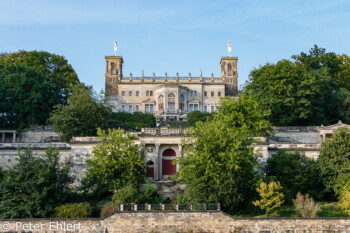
x=168 y=97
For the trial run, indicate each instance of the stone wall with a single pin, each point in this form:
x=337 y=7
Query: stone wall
x=170 y=222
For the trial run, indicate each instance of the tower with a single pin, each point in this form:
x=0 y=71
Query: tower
x=229 y=74
x=114 y=73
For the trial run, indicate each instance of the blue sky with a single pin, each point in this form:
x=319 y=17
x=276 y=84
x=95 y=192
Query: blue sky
x=173 y=36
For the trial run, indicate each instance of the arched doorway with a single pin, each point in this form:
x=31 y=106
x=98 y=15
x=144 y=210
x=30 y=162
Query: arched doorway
x=168 y=168
x=150 y=169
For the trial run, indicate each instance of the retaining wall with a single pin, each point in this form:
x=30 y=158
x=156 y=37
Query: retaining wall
x=179 y=221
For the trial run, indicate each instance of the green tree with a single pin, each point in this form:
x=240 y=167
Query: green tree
x=26 y=96
x=196 y=116
x=271 y=197
x=54 y=67
x=115 y=163
x=220 y=161
x=307 y=87
x=334 y=160
x=34 y=186
x=84 y=113
x=296 y=173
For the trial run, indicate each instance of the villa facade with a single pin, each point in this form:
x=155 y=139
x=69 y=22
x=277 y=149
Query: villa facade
x=168 y=97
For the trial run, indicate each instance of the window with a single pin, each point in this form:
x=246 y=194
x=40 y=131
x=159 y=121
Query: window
x=193 y=107
x=113 y=67
x=160 y=102
x=149 y=93
x=205 y=93
x=212 y=108
x=130 y=108
x=130 y=93
x=193 y=93
x=123 y=108
x=149 y=108
x=137 y=108
x=229 y=69
x=219 y=93
x=171 y=101
x=182 y=102
x=123 y=93
x=137 y=93
x=212 y=93
x=205 y=108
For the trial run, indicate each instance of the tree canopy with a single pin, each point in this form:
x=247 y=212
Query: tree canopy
x=26 y=96
x=31 y=84
x=35 y=186
x=115 y=163
x=334 y=160
x=54 y=67
x=85 y=112
x=296 y=173
x=220 y=161
x=305 y=91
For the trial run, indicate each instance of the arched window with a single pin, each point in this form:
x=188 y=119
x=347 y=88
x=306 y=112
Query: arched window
x=171 y=101
x=150 y=169
x=112 y=67
x=182 y=102
x=160 y=102
x=229 y=69
x=168 y=168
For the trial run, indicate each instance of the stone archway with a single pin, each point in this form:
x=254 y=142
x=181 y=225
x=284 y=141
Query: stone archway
x=168 y=168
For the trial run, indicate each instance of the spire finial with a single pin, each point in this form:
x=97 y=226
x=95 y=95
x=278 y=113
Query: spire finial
x=115 y=47
x=229 y=48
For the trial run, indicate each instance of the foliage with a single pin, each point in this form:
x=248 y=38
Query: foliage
x=34 y=186
x=306 y=206
x=334 y=160
x=271 y=197
x=115 y=162
x=26 y=96
x=220 y=161
x=108 y=210
x=54 y=68
x=74 y=210
x=308 y=87
x=126 y=195
x=132 y=120
x=149 y=194
x=296 y=173
x=196 y=116
x=82 y=116
x=344 y=199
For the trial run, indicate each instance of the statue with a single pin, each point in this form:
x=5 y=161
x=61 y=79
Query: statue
x=200 y=72
x=141 y=72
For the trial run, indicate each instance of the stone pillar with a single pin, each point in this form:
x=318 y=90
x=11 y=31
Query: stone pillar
x=157 y=163
x=14 y=137
x=3 y=138
x=179 y=155
x=324 y=137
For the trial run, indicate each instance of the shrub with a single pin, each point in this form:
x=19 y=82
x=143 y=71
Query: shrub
x=149 y=194
x=108 y=210
x=345 y=199
x=296 y=173
x=306 y=206
x=126 y=195
x=74 y=210
x=271 y=197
